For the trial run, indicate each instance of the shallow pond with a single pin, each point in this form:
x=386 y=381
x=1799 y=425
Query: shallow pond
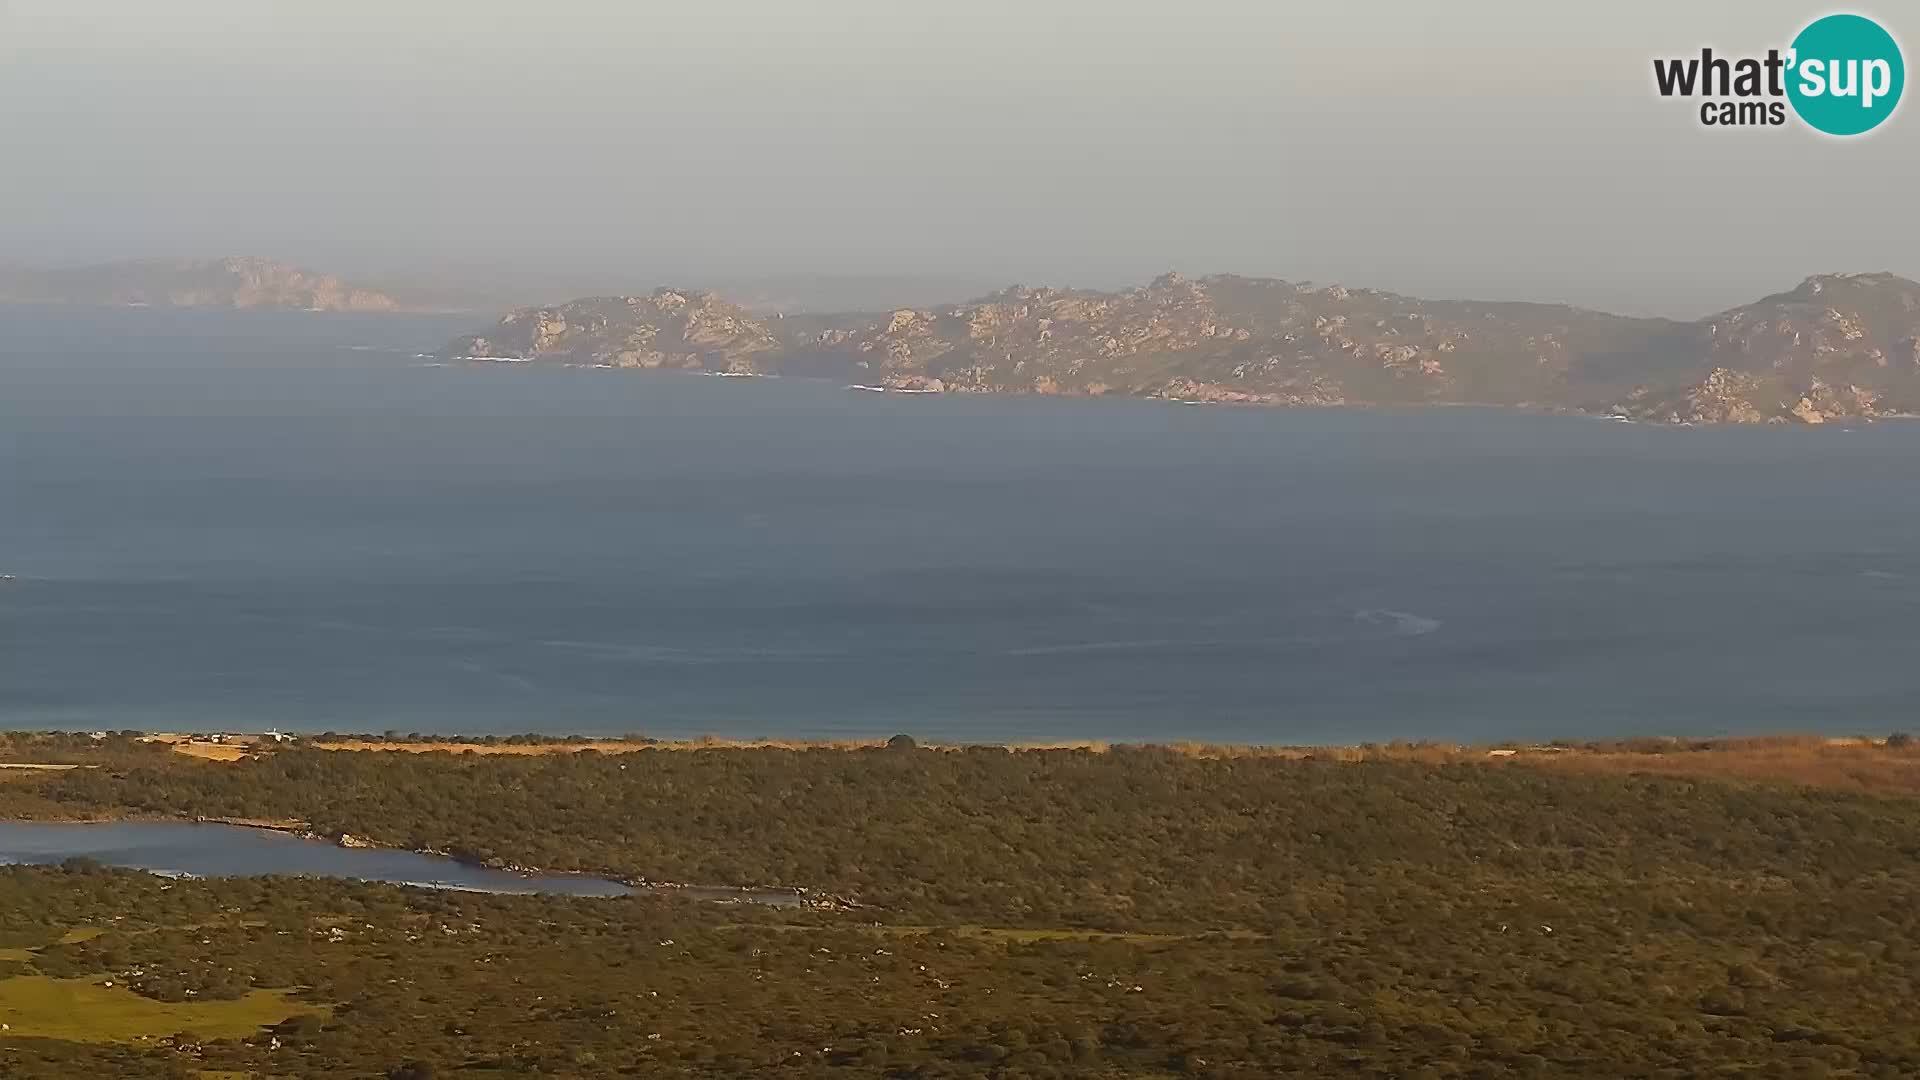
x=212 y=850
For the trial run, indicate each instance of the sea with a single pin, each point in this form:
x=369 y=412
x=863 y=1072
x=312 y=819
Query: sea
x=218 y=520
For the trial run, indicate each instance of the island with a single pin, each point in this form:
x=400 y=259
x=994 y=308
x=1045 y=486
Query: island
x=1837 y=347
x=231 y=282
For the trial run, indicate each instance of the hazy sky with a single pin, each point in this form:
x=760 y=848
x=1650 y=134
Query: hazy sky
x=1511 y=149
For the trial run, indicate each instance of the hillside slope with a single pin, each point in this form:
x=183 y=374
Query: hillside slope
x=1838 y=346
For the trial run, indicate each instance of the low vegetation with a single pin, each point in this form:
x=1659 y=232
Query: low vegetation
x=1128 y=913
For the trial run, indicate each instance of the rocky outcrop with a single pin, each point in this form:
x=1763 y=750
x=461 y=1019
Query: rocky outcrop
x=228 y=283
x=666 y=328
x=1838 y=346
x=1235 y=339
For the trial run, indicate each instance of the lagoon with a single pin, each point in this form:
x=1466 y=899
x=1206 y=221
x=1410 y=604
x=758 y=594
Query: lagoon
x=195 y=849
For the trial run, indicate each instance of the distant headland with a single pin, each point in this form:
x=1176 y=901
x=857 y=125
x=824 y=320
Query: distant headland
x=231 y=282
x=1837 y=347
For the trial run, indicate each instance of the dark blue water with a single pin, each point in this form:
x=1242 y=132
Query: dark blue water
x=223 y=520
x=204 y=850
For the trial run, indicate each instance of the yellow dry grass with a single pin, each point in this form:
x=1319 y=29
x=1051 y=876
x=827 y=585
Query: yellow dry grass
x=1860 y=766
x=604 y=746
x=198 y=748
x=211 y=751
x=1407 y=752
x=89 y=1010
x=494 y=750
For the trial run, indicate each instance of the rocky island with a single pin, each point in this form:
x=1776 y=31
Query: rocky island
x=234 y=282
x=1839 y=346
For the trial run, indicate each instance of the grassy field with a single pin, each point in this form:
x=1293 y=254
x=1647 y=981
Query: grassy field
x=89 y=1011
x=1858 y=766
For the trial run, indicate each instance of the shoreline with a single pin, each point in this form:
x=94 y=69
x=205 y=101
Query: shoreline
x=1817 y=765
x=794 y=896
x=1606 y=413
x=1868 y=765
x=529 y=744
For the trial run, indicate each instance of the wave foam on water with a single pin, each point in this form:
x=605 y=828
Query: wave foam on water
x=1405 y=623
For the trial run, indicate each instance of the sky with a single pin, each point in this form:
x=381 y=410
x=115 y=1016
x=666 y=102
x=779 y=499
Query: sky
x=1490 y=149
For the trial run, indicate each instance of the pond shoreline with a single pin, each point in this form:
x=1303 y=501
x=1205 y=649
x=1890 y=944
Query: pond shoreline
x=795 y=896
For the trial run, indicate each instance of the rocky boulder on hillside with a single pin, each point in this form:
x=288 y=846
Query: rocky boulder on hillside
x=1838 y=346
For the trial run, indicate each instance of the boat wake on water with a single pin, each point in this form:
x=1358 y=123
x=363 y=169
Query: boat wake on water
x=1403 y=623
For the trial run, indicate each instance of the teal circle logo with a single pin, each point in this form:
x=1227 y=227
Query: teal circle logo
x=1845 y=75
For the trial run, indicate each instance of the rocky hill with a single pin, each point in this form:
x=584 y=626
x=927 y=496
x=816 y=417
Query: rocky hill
x=229 y=283
x=1838 y=346
x=667 y=328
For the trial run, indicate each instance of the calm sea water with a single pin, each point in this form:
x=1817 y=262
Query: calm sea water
x=220 y=520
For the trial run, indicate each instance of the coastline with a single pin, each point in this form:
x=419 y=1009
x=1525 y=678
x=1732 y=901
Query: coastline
x=1887 y=767
x=528 y=744
x=796 y=896
x=1860 y=764
x=1603 y=413
x=200 y=745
